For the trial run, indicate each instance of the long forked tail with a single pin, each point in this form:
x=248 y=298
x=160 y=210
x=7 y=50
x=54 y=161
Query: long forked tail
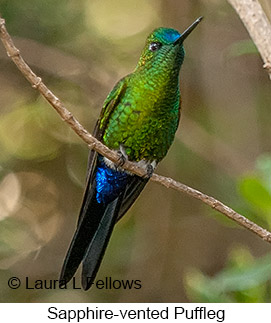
x=90 y=239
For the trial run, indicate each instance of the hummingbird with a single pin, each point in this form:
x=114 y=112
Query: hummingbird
x=139 y=119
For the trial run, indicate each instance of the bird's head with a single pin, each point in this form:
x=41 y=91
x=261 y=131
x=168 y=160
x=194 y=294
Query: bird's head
x=164 y=47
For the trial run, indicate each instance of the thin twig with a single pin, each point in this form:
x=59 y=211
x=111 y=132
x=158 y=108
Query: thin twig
x=93 y=143
x=257 y=24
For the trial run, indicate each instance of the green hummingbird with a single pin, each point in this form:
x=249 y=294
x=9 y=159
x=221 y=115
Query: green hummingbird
x=139 y=119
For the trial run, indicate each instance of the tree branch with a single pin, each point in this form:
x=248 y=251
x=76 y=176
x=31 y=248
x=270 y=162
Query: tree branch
x=256 y=22
x=93 y=143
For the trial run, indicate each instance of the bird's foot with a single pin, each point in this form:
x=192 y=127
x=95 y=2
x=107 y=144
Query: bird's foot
x=121 y=160
x=149 y=171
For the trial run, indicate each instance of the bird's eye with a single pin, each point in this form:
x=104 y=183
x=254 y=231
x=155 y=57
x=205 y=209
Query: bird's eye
x=154 y=46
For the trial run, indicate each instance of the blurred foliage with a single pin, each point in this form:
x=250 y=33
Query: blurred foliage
x=81 y=49
x=243 y=47
x=243 y=279
x=141 y=13
x=44 y=21
x=255 y=188
x=29 y=138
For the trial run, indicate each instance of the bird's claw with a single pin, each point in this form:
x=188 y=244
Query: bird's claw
x=149 y=171
x=121 y=160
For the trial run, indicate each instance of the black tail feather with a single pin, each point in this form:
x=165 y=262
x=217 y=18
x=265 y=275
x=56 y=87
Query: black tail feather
x=134 y=188
x=96 y=249
x=94 y=228
x=84 y=233
x=91 y=238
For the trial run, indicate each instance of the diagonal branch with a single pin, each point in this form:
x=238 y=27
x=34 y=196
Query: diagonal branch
x=257 y=24
x=93 y=143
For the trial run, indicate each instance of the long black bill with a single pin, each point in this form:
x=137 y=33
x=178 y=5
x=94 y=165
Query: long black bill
x=188 y=31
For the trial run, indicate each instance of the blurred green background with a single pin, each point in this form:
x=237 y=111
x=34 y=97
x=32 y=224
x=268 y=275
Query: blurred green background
x=180 y=249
